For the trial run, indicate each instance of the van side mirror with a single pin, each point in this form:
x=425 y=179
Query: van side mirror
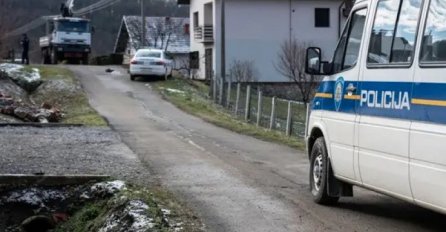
x=313 y=61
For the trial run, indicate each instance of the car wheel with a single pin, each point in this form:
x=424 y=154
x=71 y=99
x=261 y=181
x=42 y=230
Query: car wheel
x=132 y=77
x=319 y=173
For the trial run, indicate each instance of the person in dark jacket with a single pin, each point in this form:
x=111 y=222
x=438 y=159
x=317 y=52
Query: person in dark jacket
x=25 y=49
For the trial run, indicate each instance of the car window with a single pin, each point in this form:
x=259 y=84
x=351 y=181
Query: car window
x=394 y=32
x=434 y=38
x=355 y=38
x=347 y=52
x=150 y=54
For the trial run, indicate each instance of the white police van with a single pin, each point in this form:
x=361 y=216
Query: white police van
x=378 y=119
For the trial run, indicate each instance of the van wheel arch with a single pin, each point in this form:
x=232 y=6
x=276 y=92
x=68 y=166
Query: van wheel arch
x=315 y=134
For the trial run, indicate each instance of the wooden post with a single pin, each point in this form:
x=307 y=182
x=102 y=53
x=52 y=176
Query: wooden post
x=289 y=120
x=237 y=100
x=307 y=118
x=228 y=98
x=221 y=92
x=214 y=88
x=273 y=114
x=248 y=103
x=259 y=108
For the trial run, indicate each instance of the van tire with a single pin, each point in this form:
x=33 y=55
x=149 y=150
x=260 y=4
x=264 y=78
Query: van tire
x=319 y=171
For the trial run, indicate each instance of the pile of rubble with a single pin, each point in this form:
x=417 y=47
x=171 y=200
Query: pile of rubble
x=43 y=114
x=15 y=77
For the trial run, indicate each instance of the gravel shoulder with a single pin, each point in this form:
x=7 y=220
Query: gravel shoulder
x=75 y=150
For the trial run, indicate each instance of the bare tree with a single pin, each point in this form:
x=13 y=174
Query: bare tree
x=243 y=71
x=162 y=30
x=291 y=65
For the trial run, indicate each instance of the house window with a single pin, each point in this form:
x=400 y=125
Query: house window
x=322 y=17
x=196 y=20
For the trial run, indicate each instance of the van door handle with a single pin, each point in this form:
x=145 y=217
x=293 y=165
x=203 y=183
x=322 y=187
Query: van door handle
x=351 y=88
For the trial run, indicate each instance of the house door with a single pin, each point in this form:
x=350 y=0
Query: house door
x=209 y=63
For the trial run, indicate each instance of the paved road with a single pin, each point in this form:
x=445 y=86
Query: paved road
x=234 y=182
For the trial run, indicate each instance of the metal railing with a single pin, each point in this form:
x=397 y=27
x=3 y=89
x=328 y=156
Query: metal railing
x=249 y=103
x=204 y=33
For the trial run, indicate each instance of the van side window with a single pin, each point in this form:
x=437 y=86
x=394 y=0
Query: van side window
x=394 y=32
x=434 y=38
x=347 y=52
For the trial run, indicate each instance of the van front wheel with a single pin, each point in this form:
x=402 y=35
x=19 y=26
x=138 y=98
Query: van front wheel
x=319 y=171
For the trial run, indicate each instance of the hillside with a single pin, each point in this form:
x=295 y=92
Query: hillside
x=15 y=13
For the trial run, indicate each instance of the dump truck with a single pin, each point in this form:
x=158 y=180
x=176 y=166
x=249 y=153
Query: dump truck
x=67 y=39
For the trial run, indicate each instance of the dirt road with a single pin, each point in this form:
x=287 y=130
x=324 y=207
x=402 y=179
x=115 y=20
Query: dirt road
x=234 y=182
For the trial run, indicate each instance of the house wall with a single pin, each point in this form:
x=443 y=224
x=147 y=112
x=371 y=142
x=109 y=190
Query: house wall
x=199 y=6
x=255 y=30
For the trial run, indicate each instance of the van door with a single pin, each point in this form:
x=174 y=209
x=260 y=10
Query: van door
x=428 y=132
x=384 y=97
x=341 y=114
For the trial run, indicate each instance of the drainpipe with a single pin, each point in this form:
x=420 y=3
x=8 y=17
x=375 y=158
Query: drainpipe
x=223 y=49
x=291 y=21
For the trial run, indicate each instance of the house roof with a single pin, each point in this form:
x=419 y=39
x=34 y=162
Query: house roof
x=161 y=32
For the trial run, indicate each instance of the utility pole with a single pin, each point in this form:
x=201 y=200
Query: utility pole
x=143 y=25
x=223 y=49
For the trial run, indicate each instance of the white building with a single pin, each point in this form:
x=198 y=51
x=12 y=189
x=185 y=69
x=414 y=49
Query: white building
x=256 y=29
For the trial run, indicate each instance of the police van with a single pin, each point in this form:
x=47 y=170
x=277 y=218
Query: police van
x=378 y=120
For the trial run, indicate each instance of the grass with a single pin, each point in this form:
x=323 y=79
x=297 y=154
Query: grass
x=192 y=99
x=92 y=216
x=68 y=96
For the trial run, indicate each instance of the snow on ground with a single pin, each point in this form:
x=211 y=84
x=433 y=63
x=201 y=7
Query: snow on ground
x=134 y=217
x=32 y=196
x=16 y=71
x=110 y=187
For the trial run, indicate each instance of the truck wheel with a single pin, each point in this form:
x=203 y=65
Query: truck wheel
x=319 y=174
x=54 y=58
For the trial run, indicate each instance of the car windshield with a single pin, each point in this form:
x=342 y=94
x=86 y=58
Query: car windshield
x=151 y=54
x=68 y=26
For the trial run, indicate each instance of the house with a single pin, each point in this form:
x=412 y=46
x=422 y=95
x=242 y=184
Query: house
x=168 y=33
x=256 y=29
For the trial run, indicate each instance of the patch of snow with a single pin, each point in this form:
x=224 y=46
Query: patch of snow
x=33 y=197
x=110 y=187
x=133 y=218
x=16 y=71
x=175 y=91
x=166 y=211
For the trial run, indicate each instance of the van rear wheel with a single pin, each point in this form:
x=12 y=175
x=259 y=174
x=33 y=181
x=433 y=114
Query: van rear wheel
x=319 y=174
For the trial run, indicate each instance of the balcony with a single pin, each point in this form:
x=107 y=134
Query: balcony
x=204 y=34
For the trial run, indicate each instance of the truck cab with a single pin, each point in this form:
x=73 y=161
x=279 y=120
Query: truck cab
x=67 y=39
x=378 y=119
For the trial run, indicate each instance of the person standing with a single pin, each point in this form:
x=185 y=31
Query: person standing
x=25 y=49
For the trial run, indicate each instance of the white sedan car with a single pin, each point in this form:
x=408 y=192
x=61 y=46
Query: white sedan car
x=150 y=62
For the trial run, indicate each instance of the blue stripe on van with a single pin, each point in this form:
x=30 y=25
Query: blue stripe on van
x=427 y=101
